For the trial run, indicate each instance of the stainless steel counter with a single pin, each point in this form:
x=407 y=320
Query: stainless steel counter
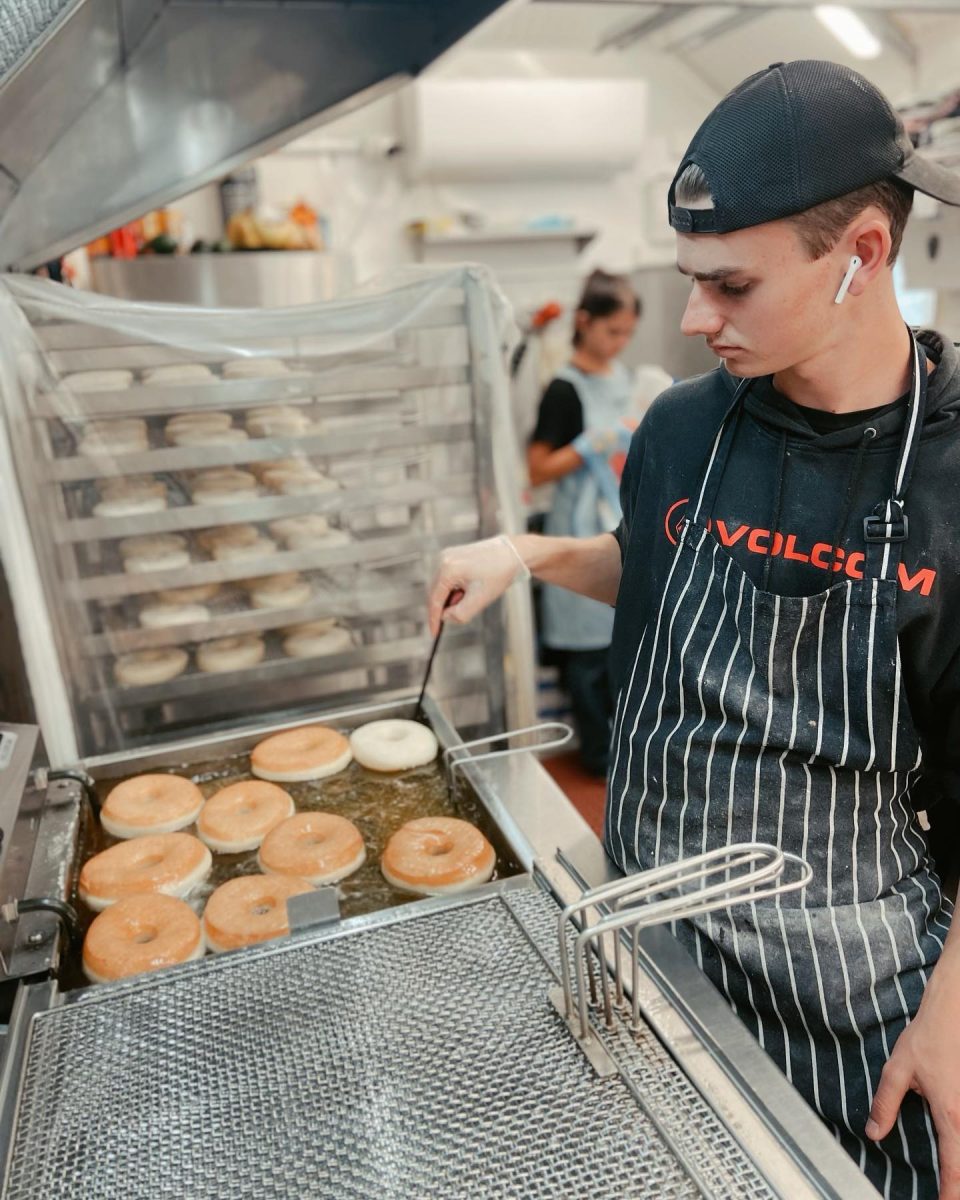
x=407 y=1052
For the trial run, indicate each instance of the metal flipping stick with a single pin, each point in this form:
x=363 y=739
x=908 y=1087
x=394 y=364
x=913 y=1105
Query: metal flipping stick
x=454 y=598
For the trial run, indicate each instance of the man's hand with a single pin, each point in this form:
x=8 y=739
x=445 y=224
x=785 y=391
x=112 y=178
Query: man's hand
x=481 y=570
x=926 y=1058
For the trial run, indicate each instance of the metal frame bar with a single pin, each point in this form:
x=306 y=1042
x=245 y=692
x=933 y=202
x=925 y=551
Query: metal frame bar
x=738 y=874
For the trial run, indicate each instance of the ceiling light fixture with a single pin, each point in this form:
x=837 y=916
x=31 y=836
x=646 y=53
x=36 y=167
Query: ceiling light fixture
x=849 y=29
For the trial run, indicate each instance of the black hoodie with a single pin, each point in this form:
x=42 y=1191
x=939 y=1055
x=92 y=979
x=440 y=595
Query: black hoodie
x=790 y=493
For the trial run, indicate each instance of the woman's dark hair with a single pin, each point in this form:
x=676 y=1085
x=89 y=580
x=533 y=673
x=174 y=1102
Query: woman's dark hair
x=603 y=295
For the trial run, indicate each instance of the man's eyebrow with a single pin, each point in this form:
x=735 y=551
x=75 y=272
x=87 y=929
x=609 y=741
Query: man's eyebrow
x=710 y=276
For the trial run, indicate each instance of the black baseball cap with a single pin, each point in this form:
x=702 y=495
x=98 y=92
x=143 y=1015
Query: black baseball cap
x=793 y=136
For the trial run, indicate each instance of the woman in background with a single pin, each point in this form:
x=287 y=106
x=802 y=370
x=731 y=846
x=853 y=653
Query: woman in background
x=579 y=444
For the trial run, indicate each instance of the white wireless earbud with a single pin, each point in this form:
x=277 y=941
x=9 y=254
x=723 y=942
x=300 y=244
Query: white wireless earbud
x=856 y=262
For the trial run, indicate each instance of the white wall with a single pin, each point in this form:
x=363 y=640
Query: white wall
x=342 y=170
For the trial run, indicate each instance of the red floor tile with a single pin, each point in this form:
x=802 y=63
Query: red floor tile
x=585 y=792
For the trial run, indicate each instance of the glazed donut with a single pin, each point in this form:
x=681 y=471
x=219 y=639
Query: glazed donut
x=296 y=755
x=316 y=638
x=254 y=368
x=299 y=482
x=432 y=855
x=223 y=485
x=162 y=616
x=98 y=381
x=280 y=591
x=317 y=846
x=141 y=933
x=198 y=593
x=250 y=909
x=171 y=863
x=307 y=528
x=149 y=804
x=129 y=497
x=393 y=745
x=277 y=420
x=127 y=436
x=230 y=653
x=154 y=552
x=240 y=816
x=178 y=373
x=143 y=667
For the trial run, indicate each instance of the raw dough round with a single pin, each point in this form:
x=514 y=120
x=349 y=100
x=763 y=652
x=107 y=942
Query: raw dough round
x=145 y=667
x=278 y=420
x=314 y=639
x=223 y=485
x=280 y=591
x=230 y=653
x=154 y=552
x=155 y=615
x=129 y=497
x=127 y=436
x=177 y=373
x=98 y=381
x=393 y=745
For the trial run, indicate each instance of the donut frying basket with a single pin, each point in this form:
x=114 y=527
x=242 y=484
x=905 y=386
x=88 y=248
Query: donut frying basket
x=743 y=873
x=553 y=735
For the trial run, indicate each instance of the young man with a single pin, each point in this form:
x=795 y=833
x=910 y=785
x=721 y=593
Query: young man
x=786 y=578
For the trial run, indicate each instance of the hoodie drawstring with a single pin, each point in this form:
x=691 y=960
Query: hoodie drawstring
x=853 y=482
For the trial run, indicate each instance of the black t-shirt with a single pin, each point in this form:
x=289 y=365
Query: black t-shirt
x=560 y=417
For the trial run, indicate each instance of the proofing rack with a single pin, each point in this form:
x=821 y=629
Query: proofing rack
x=399 y=416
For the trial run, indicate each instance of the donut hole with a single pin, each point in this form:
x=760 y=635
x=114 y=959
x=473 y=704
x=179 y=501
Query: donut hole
x=149 y=861
x=395 y=735
x=245 y=810
x=144 y=936
x=440 y=847
x=315 y=839
x=263 y=908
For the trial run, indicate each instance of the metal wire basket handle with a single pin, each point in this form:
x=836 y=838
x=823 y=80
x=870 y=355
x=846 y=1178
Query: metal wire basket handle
x=459 y=755
x=742 y=873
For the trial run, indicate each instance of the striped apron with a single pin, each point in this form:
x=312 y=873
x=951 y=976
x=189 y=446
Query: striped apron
x=749 y=716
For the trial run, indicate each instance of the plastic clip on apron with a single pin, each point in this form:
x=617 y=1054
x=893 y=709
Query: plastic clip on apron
x=750 y=716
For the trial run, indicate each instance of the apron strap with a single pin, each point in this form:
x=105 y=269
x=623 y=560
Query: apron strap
x=711 y=476
x=887 y=527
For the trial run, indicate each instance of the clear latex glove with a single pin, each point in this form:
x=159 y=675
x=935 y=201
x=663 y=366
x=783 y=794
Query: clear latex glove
x=604 y=441
x=481 y=570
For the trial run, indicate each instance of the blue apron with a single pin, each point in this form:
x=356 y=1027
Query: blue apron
x=750 y=716
x=581 y=508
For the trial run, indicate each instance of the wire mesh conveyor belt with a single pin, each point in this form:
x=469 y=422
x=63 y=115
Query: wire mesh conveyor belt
x=416 y=1055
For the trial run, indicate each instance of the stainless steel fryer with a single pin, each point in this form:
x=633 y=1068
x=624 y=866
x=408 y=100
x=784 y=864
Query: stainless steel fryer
x=410 y=1052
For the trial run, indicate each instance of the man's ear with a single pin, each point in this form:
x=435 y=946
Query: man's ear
x=870 y=241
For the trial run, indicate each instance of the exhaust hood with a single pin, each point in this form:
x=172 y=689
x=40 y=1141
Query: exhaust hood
x=109 y=108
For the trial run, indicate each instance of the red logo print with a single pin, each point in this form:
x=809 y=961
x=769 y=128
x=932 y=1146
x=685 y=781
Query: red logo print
x=821 y=555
